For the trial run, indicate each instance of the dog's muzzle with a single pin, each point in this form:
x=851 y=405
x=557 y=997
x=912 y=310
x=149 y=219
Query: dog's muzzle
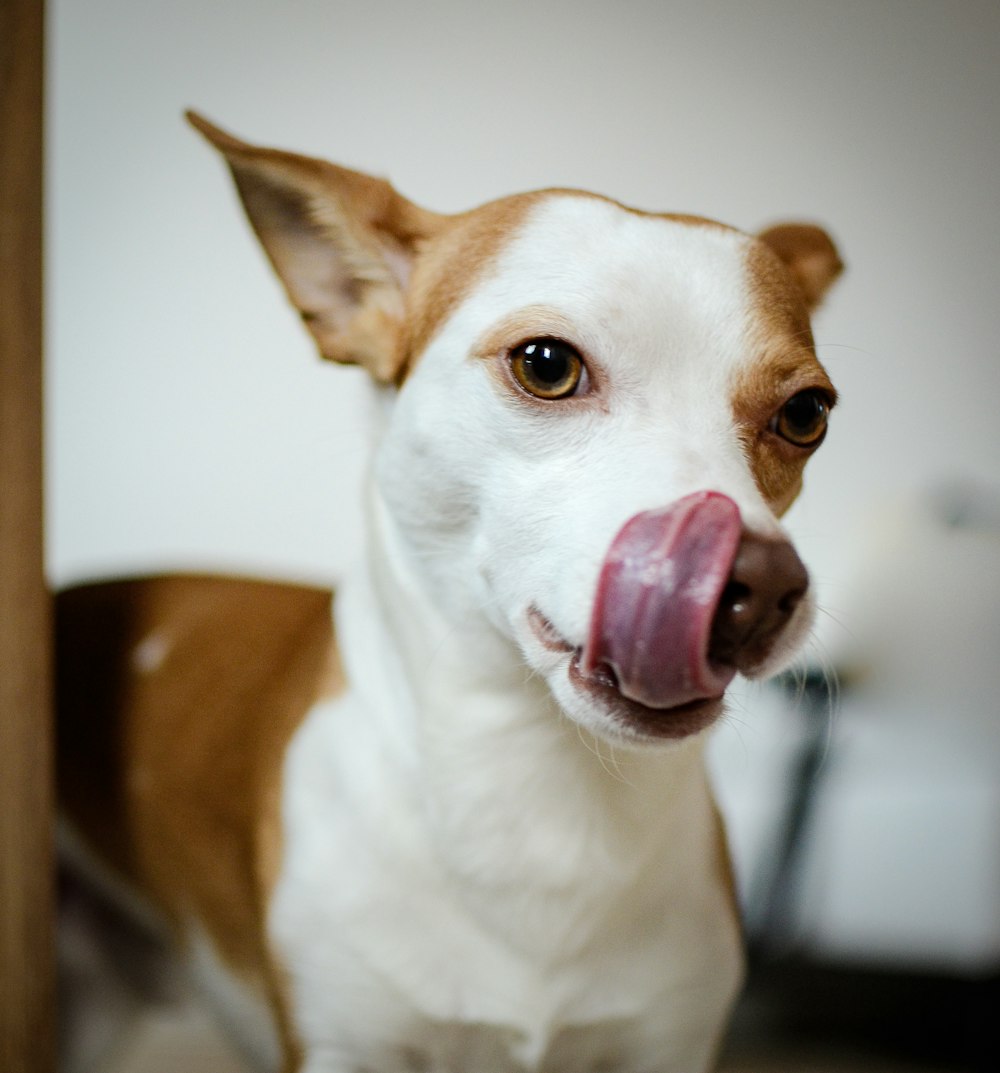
x=685 y=599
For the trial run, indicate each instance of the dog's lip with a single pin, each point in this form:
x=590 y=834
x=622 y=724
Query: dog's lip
x=546 y=634
x=680 y=721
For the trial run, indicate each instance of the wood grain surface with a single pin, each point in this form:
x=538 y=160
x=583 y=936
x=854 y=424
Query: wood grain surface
x=26 y=873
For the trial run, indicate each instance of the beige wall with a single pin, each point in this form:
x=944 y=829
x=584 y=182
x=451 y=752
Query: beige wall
x=189 y=423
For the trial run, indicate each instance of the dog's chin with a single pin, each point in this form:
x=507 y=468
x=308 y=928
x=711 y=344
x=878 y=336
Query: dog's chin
x=595 y=702
x=627 y=720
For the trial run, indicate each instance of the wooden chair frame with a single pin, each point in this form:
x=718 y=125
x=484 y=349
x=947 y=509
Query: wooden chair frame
x=27 y=888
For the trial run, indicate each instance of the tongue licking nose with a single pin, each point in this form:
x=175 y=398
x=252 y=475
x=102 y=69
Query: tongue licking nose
x=674 y=617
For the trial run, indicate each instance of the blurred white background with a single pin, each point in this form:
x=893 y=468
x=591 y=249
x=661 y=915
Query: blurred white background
x=190 y=424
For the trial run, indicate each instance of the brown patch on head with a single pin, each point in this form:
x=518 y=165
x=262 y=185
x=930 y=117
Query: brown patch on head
x=782 y=363
x=176 y=701
x=452 y=263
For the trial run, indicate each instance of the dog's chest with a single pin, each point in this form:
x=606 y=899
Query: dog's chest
x=395 y=962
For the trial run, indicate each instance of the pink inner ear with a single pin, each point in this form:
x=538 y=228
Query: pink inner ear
x=656 y=598
x=341 y=242
x=398 y=260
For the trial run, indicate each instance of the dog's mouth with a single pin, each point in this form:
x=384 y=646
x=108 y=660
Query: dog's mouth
x=601 y=687
x=684 y=600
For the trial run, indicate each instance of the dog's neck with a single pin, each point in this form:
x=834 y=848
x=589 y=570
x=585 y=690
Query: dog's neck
x=514 y=790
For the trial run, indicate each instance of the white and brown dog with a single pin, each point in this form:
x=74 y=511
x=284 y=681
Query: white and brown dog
x=388 y=837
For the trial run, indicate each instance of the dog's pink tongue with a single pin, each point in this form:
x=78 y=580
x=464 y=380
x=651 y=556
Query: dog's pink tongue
x=656 y=598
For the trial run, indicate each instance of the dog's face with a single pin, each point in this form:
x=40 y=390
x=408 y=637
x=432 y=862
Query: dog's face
x=604 y=364
x=601 y=415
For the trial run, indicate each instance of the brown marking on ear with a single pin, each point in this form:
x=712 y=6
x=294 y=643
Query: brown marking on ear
x=176 y=701
x=781 y=362
x=809 y=255
x=342 y=243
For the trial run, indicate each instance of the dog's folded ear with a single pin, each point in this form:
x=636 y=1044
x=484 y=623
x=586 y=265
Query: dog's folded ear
x=809 y=255
x=342 y=243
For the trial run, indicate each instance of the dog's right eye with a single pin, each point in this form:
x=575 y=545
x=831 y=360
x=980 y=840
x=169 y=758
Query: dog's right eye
x=548 y=368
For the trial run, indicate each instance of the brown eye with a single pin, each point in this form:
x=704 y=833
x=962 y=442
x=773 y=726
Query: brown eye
x=547 y=368
x=802 y=420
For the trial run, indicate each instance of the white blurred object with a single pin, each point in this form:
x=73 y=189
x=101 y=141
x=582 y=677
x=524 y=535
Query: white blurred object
x=900 y=864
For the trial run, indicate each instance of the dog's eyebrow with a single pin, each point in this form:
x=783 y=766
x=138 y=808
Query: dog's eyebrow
x=530 y=322
x=757 y=387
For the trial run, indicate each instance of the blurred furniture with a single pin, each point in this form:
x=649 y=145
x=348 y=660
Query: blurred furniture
x=869 y=835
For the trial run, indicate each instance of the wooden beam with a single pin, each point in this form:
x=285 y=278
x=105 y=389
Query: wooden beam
x=26 y=797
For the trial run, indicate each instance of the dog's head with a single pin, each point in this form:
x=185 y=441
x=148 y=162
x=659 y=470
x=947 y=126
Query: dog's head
x=601 y=415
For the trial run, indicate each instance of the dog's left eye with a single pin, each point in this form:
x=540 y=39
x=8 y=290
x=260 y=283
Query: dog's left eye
x=547 y=368
x=803 y=418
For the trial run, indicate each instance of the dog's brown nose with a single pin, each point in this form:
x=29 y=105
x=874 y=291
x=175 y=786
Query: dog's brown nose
x=767 y=583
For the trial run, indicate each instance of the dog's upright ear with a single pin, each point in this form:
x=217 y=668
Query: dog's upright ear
x=342 y=243
x=809 y=255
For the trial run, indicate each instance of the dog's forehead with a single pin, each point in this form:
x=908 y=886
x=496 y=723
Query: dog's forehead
x=613 y=271
x=570 y=237
x=623 y=273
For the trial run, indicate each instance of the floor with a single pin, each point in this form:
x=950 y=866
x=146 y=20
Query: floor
x=185 y=1042
x=175 y=1040
x=838 y=1024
